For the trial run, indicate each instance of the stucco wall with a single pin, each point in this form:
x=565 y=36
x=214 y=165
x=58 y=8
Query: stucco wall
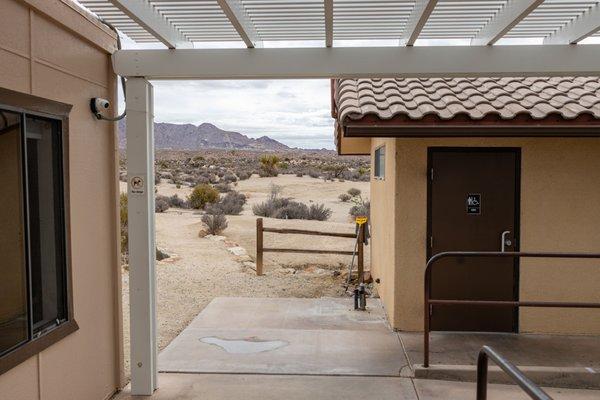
x=44 y=52
x=559 y=212
x=355 y=146
x=384 y=228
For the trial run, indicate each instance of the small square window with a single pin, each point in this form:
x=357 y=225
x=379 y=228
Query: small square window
x=379 y=163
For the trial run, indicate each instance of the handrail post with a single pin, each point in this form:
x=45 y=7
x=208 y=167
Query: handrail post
x=426 y=315
x=482 y=371
x=361 y=253
x=259 y=246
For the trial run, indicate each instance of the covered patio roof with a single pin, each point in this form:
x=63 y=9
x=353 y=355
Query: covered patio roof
x=281 y=39
x=177 y=23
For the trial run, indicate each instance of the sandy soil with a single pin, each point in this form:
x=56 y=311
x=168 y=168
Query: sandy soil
x=200 y=269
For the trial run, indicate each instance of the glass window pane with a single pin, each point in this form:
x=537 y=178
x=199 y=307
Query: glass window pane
x=46 y=228
x=13 y=278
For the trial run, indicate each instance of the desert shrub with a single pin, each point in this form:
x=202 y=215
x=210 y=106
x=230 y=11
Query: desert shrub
x=293 y=210
x=243 y=175
x=314 y=174
x=223 y=187
x=319 y=212
x=299 y=174
x=124 y=225
x=361 y=209
x=202 y=180
x=354 y=192
x=178 y=202
x=268 y=165
x=231 y=204
x=270 y=207
x=344 y=197
x=161 y=204
x=215 y=222
x=202 y=195
x=229 y=178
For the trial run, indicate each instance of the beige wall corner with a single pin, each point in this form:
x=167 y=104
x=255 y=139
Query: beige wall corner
x=44 y=53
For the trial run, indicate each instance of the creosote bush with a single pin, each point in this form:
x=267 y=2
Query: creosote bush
x=354 y=192
x=223 y=187
x=178 y=202
x=215 y=222
x=361 y=209
x=161 y=204
x=231 y=204
x=344 y=197
x=201 y=195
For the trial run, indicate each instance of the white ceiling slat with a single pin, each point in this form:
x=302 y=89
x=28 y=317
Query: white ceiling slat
x=235 y=12
x=508 y=17
x=417 y=20
x=328 y=10
x=147 y=17
x=578 y=29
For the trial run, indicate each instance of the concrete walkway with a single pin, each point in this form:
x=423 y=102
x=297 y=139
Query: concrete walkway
x=286 y=336
x=290 y=387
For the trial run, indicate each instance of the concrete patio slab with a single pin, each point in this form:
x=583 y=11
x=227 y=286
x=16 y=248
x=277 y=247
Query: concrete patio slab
x=286 y=336
x=276 y=387
x=444 y=390
x=549 y=360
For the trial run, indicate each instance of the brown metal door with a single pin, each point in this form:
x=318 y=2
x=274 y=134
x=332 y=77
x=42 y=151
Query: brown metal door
x=473 y=200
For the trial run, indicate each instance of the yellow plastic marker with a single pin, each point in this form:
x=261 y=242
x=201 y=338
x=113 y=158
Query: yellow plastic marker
x=361 y=220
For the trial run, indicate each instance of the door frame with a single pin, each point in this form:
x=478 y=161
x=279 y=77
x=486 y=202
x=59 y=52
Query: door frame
x=517 y=223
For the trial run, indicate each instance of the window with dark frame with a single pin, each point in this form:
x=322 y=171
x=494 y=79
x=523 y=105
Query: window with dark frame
x=33 y=288
x=379 y=163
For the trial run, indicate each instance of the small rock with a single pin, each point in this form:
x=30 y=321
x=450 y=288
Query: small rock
x=237 y=251
x=215 y=238
x=161 y=254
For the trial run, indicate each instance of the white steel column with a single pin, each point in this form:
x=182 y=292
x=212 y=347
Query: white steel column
x=142 y=253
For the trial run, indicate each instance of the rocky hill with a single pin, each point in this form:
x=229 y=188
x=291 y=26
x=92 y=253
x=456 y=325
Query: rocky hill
x=204 y=136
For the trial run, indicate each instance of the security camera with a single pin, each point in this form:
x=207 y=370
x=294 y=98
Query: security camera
x=98 y=105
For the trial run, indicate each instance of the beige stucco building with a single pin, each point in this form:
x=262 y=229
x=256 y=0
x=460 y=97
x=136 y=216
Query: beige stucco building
x=548 y=126
x=54 y=58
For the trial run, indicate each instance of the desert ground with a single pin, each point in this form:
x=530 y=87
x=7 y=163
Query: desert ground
x=202 y=268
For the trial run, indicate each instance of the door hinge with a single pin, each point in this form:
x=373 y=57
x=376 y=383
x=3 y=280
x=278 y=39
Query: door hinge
x=430 y=310
x=431 y=174
x=431 y=242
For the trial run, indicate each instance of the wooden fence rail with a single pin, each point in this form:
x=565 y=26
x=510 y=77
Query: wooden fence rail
x=260 y=249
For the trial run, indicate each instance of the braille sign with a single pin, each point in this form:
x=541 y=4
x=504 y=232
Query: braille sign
x=474 y=204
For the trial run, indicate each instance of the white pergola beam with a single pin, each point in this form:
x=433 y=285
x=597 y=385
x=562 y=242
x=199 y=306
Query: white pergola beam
x=235 y=12
x=142 y=248
x=509 y=16
x=417 y=20
x=146 y=16
x=360 y=62
x=328 y=10
x=577 y=30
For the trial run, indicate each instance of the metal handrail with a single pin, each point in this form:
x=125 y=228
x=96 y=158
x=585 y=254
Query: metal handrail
x=502 y=303
x=486 y=352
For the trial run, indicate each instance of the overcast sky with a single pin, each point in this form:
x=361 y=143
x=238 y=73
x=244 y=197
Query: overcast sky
x=294 y=112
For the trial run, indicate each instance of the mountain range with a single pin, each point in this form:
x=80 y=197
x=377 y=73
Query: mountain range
x=203 y=136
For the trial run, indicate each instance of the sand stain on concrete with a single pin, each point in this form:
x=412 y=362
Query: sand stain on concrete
x=250 y=345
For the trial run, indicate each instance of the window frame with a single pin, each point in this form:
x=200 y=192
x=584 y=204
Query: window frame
x=376 y=168
x=34 y=106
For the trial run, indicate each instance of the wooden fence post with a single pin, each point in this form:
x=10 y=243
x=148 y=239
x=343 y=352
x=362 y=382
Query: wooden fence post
x=259 y=246
x=361 y=253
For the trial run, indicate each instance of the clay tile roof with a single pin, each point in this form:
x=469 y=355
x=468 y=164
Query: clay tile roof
x=476 y=98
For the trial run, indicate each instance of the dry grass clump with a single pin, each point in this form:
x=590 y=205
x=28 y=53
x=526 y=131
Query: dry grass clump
x=161 y=204
x=344 y=197
x=215 y=222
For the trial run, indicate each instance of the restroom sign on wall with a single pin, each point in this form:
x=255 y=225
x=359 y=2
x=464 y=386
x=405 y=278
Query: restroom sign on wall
x=474 y=204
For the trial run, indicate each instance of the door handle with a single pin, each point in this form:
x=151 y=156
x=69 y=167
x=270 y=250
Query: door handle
x=504 y=241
